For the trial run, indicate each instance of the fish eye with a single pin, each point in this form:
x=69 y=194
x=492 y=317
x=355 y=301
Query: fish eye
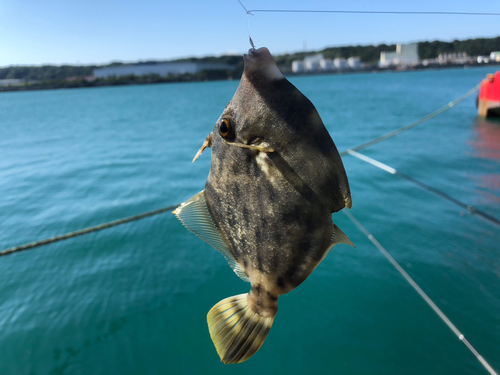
x=225 y=128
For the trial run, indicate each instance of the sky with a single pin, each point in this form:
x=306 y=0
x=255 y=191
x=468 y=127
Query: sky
x=34 y=32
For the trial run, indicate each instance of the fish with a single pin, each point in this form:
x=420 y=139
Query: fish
x=275 y=179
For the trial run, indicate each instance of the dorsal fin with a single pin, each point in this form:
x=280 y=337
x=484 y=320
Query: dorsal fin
x=195 y=216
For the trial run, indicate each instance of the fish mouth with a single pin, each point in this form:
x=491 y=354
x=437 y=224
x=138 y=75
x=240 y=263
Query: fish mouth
x=261 y=61
x=260 y=54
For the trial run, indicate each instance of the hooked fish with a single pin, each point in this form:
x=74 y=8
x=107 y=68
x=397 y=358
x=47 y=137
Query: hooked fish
x=275 y=179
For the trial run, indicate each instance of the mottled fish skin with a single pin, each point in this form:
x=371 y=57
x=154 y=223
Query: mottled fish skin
x=275 y=179
x=274 y=208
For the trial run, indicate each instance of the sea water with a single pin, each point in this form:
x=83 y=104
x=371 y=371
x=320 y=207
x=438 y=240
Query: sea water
x=133 y=299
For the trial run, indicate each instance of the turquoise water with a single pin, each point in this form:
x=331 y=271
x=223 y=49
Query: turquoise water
x=133 y=299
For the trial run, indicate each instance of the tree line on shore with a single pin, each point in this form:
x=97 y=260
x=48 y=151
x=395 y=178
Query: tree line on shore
x=58 y=75
x=131 y=79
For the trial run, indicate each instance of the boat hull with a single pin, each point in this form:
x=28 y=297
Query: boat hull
x=488 y=108
x=488 y=101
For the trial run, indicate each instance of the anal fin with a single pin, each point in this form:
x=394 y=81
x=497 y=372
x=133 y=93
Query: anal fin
x=339 y=237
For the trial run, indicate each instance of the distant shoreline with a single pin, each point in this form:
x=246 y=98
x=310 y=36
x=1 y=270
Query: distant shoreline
x=131 y=81
x=395 y=70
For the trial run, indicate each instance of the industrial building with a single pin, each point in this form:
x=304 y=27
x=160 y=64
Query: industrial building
x=453 y=58
x=354 y=62
x=162 y=69
x=312 y=63
x=317 y=63
x=405 y=55
x=298 y=66
x=340 y=63
x=326 y=64
x=11 y=82
x=495 y=56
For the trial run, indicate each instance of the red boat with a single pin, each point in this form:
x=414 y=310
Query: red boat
x=488 y=103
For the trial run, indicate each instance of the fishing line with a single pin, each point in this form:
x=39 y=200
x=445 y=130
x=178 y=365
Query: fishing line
x=248 y=12
x=373 y=12
x=351 y=151
x=95 y=228
x=413 y=124
x=422 y=294
x=393 y=171
x=36 y=244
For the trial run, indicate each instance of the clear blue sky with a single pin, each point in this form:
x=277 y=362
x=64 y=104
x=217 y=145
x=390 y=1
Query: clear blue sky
x=101 y=31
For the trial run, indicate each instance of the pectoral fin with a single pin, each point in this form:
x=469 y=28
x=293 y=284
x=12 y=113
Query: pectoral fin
x=195 y=216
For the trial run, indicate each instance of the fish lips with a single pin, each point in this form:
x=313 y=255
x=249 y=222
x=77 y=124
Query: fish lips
x=260 y=62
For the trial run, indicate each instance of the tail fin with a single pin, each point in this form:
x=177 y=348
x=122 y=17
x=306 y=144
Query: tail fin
x=236 y=330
